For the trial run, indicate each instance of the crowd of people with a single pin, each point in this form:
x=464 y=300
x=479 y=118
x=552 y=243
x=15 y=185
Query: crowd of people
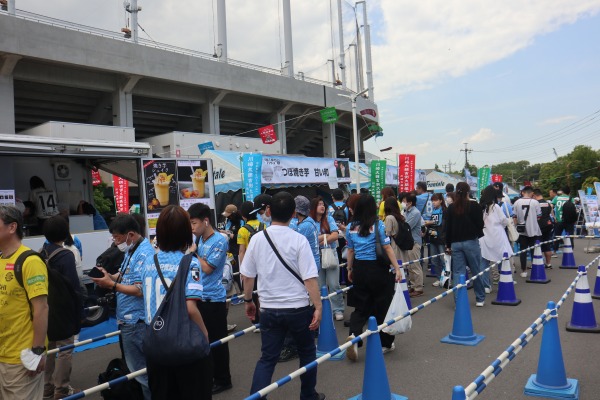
x=285 y=248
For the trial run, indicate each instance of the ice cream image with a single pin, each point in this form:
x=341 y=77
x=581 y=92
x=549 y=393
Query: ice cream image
x=267 y=173
x=198 y=179
x=161 y=188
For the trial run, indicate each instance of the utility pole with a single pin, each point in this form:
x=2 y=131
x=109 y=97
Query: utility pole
x=449 y=166
x=467 y=151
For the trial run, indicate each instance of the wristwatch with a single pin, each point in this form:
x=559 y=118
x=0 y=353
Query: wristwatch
x=248 y=300
x=38 y=351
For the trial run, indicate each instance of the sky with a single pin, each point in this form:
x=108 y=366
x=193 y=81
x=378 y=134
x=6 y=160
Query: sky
x=514 y=79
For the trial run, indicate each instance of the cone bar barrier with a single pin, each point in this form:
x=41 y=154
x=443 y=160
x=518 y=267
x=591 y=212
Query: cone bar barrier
x=327 y=335
x=538 y=269
x=583 y=318
x=375 y=380
x=596 y=294
x=462 y=328
x=568 y=259
x=506 y=287
x=551 y=378
x=404 y=285
x=83 y=342
x=143 y=371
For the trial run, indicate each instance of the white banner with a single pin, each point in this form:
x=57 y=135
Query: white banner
x=301 y=170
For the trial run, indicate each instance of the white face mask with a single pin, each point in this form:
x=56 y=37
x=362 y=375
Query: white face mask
x=266 y=219
x=124 y=247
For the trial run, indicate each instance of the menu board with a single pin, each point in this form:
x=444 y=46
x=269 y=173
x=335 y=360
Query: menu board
x=7 y=197
x=175 y=182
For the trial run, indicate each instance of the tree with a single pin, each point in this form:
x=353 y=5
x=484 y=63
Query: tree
x=571 y=169
x=437 y=168
x=102 y=204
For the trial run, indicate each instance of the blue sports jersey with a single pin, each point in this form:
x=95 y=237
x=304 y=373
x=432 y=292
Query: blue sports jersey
x=214 y=252
x=153 y=289
x=424 y=205
x=130 y=309
x=333 y=228
x=364 y=246
x=310 y=230
x=436 y=216
x=78 y=246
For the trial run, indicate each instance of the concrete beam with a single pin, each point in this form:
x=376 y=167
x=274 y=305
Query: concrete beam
x=8 y=63
x=129 y=83
x=61 y=75
x=329 y=142
x=210 y=112
x=102 y=111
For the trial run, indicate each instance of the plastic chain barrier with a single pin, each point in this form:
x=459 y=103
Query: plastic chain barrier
x=83 y=342
x=494 y=369
x=115 y=382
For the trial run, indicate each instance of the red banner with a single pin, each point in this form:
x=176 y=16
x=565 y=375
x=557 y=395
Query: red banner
x=406 y=172
x=496 y=178
x=267 y=134
x=121 y=190
x=96 y=178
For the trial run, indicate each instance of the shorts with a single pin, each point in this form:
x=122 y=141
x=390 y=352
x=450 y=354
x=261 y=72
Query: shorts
x=546 y=235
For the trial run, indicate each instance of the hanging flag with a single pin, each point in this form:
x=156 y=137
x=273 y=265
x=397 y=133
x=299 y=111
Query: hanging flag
x=121 y=191
x=375 y=128
x=267 y=134
x=496 y=178
x=378 y=170
x=205 y=146
x=406 y=172
x=483 y=179
x=96 y=178
x=251 y=175
x=329 y=115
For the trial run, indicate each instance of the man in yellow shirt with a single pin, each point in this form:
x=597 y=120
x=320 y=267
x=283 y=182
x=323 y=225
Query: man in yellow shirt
x=21 y=327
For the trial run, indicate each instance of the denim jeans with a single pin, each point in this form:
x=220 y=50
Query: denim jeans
x=132 y=336
x=438 y=262
x=330 y=278
x=468 y=253
x=275 y=323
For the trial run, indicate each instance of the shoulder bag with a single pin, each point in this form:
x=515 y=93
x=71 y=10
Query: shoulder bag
x=329 y=257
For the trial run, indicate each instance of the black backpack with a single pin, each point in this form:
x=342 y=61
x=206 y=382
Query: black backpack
x=569 y=212
x=129 y=390
x=339 y=214
x=249 y=228
x=64 y=304
x=404 y=239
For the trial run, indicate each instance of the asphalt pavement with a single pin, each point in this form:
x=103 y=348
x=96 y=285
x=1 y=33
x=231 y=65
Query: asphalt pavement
x=422 y=367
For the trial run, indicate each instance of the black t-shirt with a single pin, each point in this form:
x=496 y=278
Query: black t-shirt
x=545 y=221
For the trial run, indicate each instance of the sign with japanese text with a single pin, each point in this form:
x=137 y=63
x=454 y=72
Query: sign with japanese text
x=329 y=115
x=483 y=179
x=267 y=134
x=7 y=198
x=206 y=146
x=589 y=205
x=251 y=175
x=342 y=170
x=96 y=178
x=378 y=172
x=406 y=172
x=496 y=178
x=121 y=191
x=302 y=170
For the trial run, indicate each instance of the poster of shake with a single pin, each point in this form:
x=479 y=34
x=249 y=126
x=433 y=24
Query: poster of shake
x=160 y=184
x=194 y=183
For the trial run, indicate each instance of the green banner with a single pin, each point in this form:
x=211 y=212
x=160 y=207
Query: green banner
x=375 y=128
x=378 y=169
x=329 y=115
x=483 y=179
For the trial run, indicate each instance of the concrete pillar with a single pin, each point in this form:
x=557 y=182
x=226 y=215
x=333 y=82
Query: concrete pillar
x=7 y=93
x=222 y=30
x=279 y=121
x=12 y=7
x=122 y=102
x=133 y=9
x=342 y=54
x=210 y=113
x=287 y=33
x=368 y=51
x=329 y=143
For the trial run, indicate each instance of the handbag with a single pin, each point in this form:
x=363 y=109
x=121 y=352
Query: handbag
x=521 y=228
x=328 y=257
x=382 y=256
x=397 y=308
x=172 y=338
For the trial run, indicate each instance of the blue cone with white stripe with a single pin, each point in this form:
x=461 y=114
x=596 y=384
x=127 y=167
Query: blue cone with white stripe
x=458 y=393
x=551 y=379
x=583 y=318
x=375 y=381
x=462 y=328
x=538 y=269
x=506 y=287
x=327 y=335
x=568 y=260
x=404 y=286
x=596 y=294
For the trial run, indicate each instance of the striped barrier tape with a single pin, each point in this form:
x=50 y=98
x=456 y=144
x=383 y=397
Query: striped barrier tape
x=83 y=342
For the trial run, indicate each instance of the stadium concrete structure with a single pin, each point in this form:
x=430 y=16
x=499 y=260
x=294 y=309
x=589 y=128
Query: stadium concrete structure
x=53 y=70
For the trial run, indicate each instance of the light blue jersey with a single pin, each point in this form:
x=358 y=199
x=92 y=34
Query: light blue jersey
x=424 y=205
x=130 y=309
x=153 y=289
x=214 y=252
x=364 y=246
x=310 y=230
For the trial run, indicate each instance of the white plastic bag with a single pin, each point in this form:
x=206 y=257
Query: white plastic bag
x=329 y=257
x=446 y=277
x=397 y=308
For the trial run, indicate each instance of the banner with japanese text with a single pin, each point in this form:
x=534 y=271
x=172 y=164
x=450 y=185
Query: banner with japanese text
x=251 y=174
x=378 y=172
x=96 y=178
x=302 y=170
x=121 y=190
x=483 y=179
x=267 y=134
x=496 y=178
x=406 y=172
x=589 y=205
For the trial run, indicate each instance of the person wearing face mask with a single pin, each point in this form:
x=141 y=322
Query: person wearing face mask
x=127 y=284
x=262 y=206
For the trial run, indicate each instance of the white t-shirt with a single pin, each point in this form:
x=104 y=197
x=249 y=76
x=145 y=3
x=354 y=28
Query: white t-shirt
x=46 y=202
x=277 y=287
x=531 y=225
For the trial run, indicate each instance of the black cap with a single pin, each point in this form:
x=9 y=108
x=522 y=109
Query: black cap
x=261 y=202
x=246 y=208
x=498 y=185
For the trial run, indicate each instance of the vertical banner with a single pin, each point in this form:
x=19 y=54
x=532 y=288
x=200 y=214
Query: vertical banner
x=251 y=175
x=483 y=179
x=121 y=191
x=406 y=173
x=267 y=134
x=96 y=178
x=496 y=178
x=589 y=205
x=378 y=170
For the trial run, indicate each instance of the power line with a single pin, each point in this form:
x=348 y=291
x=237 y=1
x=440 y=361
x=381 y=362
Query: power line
x=467 y=151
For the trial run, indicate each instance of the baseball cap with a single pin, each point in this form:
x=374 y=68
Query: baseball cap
x=246 y=208
x=261 y=202
x=498 y=185
x=230 y=209
x=302 y=205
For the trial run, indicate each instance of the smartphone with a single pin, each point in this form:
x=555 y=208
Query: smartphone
x=95 y=273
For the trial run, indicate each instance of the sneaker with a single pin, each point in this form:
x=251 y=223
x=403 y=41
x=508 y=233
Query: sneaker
x=48 y=391
x=488 y=290
x=554 y=255
x=352 y=351
x=339 y=316
x=231 y=327
x=524 y=274
x=216 y=389
x=436 y=284
x=386 y=350
x=416 y=293
x=549 y=266
x=479 y=304
x=321 y=396
x=257 y=330
x=65 y=391
x=288 y=354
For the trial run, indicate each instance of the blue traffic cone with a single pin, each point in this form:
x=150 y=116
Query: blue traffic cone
x=583 y=318
x=327 y=335
x=458 y=393
x=568 y=260
x=596 y=294
x=462 y=329
x=375 y=381
x=506 y=287
x=404 y=286
x=551 y=379
x=538 y=269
